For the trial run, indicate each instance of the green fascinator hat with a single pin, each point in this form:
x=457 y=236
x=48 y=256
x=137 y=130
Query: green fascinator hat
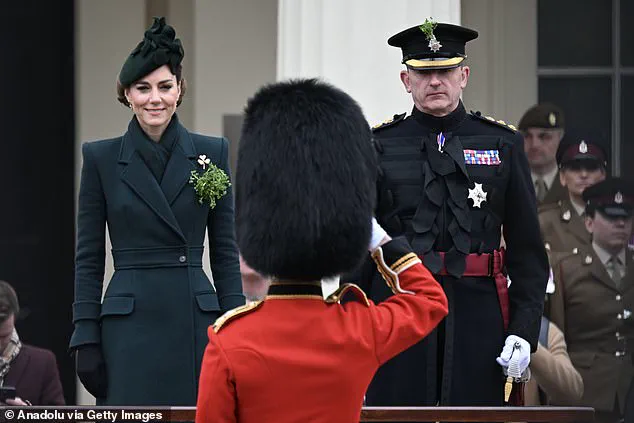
x=159 y=47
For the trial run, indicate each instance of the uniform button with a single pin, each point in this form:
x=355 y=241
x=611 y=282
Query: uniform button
x=618 y=334
x=618 y=353
x=618 y=297
x=619 y=316
x=183 y=259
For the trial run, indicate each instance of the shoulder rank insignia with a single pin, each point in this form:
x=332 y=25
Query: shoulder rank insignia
x=494 y=121
x=393 y=121
x=235 y=313
x=336 y=296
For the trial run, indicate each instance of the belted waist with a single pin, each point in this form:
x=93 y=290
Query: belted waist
x=477 y=265
x=143 y=258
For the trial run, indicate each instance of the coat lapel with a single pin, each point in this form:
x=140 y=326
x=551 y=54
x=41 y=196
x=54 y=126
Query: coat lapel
x=575 y=224
x=627 y=282
x=179 y=166
x=599 y=271
x=139 y=178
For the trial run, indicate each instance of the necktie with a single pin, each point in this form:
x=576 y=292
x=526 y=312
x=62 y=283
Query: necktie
x=540 y=189
x=614 y=268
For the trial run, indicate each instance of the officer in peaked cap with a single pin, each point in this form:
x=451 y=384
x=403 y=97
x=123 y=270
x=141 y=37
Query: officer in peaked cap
x=543 y=128
x=582 y=163
x=449 y=180
x=596 y=301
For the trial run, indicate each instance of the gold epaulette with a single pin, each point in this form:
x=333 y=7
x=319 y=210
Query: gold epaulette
x=336 y=296
x=494 y=121
x=387 y=123
x=235 y=313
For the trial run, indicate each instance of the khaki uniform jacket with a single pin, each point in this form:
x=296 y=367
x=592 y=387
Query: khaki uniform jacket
x=556 y=193
x=562 y=228
x=596 y=319
x=554 y=373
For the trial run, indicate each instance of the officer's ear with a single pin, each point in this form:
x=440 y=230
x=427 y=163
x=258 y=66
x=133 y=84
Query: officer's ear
x=405 y=80
x=464 y=73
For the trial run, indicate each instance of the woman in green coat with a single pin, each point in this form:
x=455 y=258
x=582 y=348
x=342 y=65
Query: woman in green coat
x=158 y=188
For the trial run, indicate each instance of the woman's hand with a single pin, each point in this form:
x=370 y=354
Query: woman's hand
x=17 y=401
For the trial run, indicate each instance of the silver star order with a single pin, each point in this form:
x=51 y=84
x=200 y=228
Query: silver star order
x=477 y=194
x=434 y=45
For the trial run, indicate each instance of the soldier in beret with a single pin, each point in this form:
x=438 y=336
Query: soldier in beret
x=449 y=180
x=543 y=128
x=595 y=300
x=582 y=163
x=143 y=344
x=304 y=204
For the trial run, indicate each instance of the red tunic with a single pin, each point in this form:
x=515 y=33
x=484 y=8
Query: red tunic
x=299 y=358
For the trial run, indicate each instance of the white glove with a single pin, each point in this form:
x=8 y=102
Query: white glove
x=515 y=357
x=378 y=234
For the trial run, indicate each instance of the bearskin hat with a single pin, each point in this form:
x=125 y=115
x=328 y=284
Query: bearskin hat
x=305 y=181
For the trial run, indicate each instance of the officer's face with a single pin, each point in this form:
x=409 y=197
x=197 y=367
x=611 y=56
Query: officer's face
x=436 y=92
x=540 y=146
x=153 y=99
x=611 y=234
x=578 y=176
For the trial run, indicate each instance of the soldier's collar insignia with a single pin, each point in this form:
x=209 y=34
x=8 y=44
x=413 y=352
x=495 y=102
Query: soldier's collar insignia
x=552 y=119
x=583 y=147
x=566 y=215
x=477 y=194
x=428 y=29
x=588 y=259
x=618 y=198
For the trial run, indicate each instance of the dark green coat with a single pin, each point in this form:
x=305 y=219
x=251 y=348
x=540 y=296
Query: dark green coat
x=153 y=319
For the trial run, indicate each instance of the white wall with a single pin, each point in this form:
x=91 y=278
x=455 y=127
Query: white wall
x=345 y=42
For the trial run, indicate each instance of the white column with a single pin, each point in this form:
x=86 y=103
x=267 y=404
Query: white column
x=106 y=32
x=345 y=42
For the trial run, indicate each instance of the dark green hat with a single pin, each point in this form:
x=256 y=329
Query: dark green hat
x=159 y=47
x=545 y=115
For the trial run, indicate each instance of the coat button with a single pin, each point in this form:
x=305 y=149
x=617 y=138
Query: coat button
x=182 y=259
x=618 y=297
x=619 y=316
x=618 y=353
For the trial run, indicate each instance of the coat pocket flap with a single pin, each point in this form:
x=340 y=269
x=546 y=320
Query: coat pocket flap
x=117 y=306
x=208 y=302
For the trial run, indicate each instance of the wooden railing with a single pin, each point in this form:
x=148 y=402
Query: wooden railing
x=368 y=414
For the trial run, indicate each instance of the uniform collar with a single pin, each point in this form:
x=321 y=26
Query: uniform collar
x=294 y=290
x=548 y=178
x=441 y=124
x=604 y=256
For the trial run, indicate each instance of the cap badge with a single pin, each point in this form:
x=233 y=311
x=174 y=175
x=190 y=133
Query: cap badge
x=583 y=147
x=428 y=29
x=618 y=198
x=477 y=194
x=552 y=119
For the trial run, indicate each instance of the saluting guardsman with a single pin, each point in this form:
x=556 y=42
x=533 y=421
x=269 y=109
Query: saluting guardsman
x=449 y=180
x=594 y=300
x=304 y=202
x=582 y=163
